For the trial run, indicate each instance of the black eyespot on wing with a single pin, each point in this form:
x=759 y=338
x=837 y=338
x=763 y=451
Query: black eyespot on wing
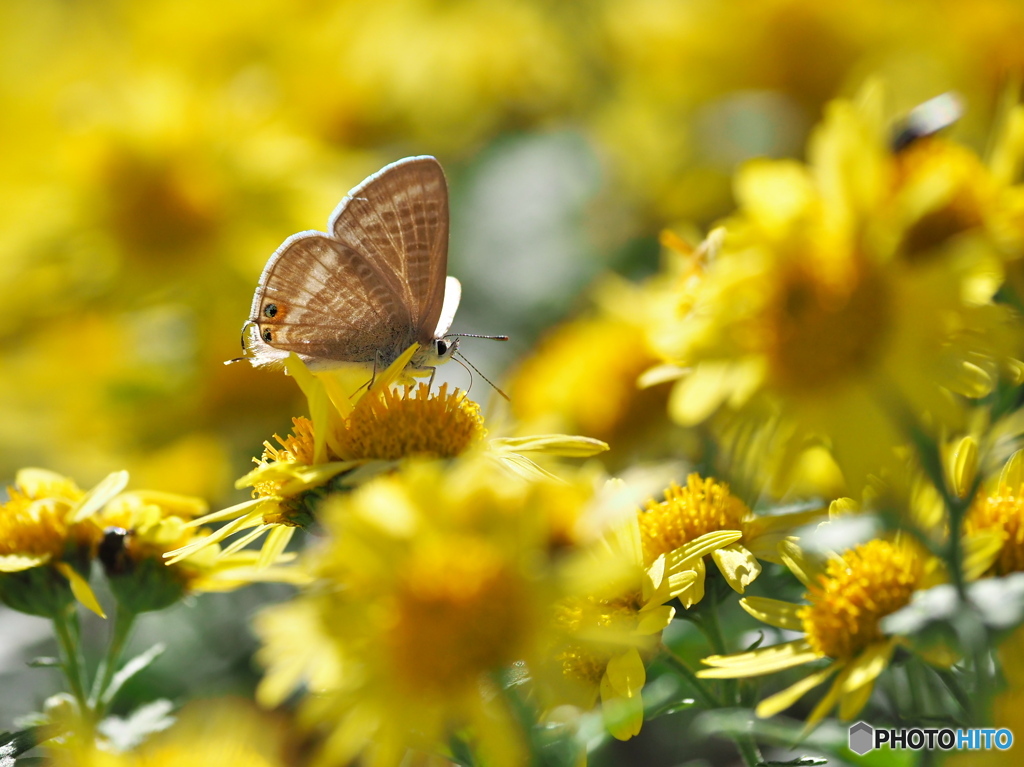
x=267 y=335
x=270 y=310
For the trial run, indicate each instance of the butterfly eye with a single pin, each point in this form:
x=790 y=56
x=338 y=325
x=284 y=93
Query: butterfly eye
x=442 y=347
x=267 y=336
x=270 y=310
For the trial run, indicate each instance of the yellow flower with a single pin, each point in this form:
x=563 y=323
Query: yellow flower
x=47 y=536
x=610 y=628
x=141 y=526
x=553 y=388
x=352 y=437
x=847 y=595
x=999 y=512
x=704 y=506
x=432 y=581
x=844 y=292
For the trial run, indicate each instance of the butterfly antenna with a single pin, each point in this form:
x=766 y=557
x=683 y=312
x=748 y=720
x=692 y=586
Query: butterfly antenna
x=474 y=335
x=483 y=376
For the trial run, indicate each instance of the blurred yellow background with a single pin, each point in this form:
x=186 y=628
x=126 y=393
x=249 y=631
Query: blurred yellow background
x=155 y=153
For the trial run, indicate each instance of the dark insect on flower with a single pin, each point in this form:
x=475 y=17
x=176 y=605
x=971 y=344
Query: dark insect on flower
x=112 y=551
x=927 y=119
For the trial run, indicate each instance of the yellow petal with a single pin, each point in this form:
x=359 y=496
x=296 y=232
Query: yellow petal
x=963 y=466
x=626 y=673
x=40 y=483
x=808 y=570
x=564 y=445
x=828 y=702
x=623 y=716
x=275 y=544
x=232 y=512
x=780 y=701
x=842 y=506
x=681 y=582
x=980 y=551
x=655 y=577
x=1012 y=475
x=319 y=404
x=497 y=736
x=765 y=533
x=774 y=612
x=251 y=519
x=851 y=703
x=764 y=660
x=686 y=556
x=738 y=565
x=971 y=380
x=694 y=592
x=698 y=395
x=660 y=374
x=655 y=620
x=80 y=588
x=774 y=192
x=865 y=668
x=15 y=563
x=100 y=495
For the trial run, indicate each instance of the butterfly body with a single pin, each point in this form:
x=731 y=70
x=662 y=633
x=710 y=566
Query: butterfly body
x=370 y=286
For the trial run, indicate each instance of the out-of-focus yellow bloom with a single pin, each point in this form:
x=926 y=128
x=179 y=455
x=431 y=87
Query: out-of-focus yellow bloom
x=433 y=580
x=847 y=595
x=209 y=733
x=607 y=633
x=844 y=297
x=141 y=526
x=440 y=76
x=999 y=511
x=704 y=506
x=47 y=537
x=582 y=378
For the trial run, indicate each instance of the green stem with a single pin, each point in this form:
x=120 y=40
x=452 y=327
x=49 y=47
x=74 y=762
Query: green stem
x=684 y=670
x=108 y=667
x=748 y=750
x=71 y=658
x=953 y=686
x=709 y=623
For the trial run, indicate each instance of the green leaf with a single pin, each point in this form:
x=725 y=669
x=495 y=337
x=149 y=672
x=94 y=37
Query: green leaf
x=131 y=668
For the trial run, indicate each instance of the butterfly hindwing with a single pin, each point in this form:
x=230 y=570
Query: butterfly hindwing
x=323 y=299
x=398 y=220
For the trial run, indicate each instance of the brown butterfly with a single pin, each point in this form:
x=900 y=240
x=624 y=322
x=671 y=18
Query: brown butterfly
x=369 y=287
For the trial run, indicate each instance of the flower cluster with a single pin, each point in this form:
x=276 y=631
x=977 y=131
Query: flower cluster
x=779 y=476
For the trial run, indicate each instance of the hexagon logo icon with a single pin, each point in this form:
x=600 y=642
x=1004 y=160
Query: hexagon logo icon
x=862 y=738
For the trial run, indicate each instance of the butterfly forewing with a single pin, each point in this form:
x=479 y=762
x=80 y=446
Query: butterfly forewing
x=398 y=219
x=320 y=298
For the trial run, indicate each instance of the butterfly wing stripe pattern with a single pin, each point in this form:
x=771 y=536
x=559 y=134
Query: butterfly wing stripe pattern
x=369 y=287
x=398 y=218
x=321 y=298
